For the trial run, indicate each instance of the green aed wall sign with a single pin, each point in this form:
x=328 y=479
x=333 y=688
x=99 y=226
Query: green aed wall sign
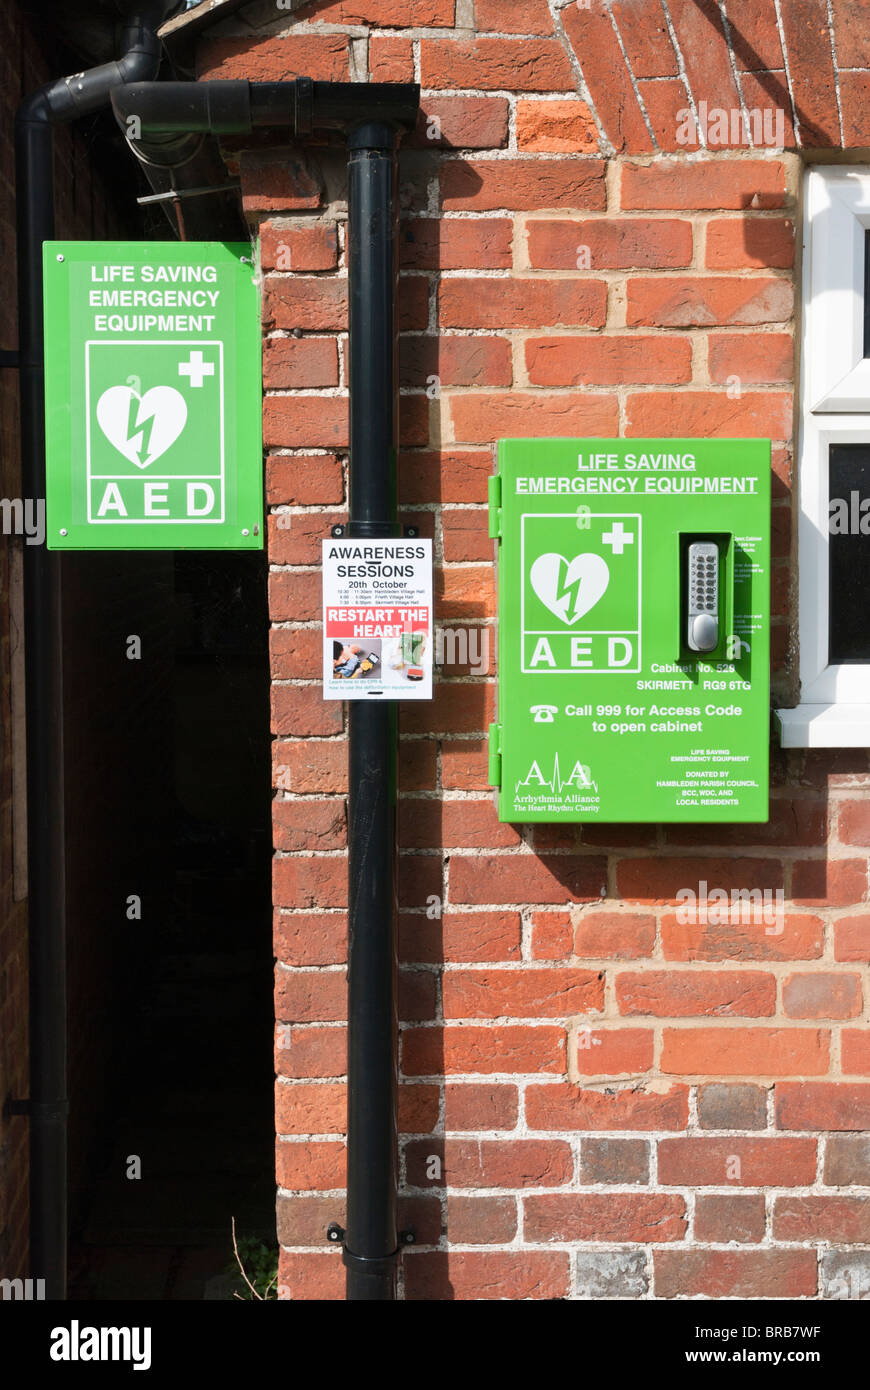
x=153 y=396
x=634 y=614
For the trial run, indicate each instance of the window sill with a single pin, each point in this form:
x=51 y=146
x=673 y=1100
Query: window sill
x=825 y=726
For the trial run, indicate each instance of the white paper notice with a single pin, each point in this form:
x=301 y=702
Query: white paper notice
x=377 y=619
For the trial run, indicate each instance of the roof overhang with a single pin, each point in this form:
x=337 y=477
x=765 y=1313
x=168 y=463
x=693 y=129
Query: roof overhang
x=201 y=16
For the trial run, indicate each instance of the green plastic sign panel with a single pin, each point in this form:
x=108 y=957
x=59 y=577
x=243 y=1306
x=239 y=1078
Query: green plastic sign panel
x=153 y=396
x=634 y=615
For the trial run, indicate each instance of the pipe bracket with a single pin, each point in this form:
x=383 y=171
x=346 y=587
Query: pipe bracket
x=379 y=1264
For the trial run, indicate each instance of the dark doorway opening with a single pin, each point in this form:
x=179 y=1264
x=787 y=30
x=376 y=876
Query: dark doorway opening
x=171 y=1129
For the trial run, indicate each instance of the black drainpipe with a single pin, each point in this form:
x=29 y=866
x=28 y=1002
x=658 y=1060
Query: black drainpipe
x=57 y=102
x=371 y=1238
x=172 y=116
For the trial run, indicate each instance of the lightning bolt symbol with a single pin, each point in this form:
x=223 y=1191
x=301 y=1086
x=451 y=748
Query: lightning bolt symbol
x=147 y=426
x=572 y=593
x=139 y=431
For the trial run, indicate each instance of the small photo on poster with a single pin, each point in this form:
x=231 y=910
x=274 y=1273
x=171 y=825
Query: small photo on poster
x=354 y=661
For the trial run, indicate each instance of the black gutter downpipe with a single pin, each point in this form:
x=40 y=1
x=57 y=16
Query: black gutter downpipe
x=171 y=116
x=371 y=1238
x=43 y=650
x=48 y=1104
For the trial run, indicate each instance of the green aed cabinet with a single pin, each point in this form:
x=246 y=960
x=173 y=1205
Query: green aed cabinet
x=633 y=629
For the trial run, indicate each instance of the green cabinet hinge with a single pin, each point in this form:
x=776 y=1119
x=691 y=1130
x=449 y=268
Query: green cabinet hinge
x=495 y=755
x=495 y=507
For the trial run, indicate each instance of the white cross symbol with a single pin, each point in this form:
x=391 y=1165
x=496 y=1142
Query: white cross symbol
x=196 y=369
x=618 y=539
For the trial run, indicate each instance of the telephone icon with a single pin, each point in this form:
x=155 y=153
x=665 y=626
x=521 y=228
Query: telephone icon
x=543 y=713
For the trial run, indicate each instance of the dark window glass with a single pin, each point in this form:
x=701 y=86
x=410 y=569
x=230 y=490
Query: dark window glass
x=867 y=293
x=849 y=553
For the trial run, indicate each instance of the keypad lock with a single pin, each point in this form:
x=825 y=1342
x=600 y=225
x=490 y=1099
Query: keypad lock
x=703 y=606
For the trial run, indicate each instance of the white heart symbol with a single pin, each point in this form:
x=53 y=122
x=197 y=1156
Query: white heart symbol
x=143 y=433
x=569 y=588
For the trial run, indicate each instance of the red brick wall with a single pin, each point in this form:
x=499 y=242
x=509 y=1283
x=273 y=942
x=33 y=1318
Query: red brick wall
x=621 y=1104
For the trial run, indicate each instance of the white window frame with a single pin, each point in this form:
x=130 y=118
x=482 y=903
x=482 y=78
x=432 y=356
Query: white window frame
x=834 y=711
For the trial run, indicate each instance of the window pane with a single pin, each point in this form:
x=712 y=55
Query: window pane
x=849 y=552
